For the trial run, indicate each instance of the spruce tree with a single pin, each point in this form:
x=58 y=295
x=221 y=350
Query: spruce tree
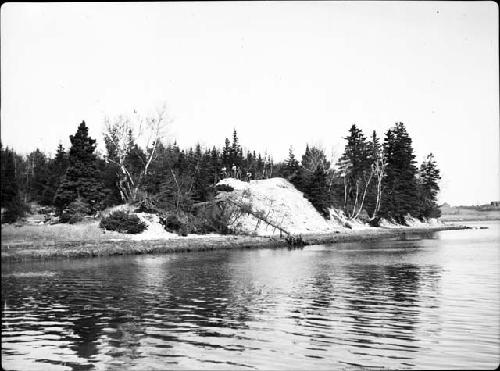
x=236 y=151
x=356 y=171
x=428 y=188
x=259 y=167
x=11 y=200
x=38 y=175
x=201 y=174
x=291 y=165
x=400 y=196
x=317 y=191
x=57 y=168
x=226 y=155
x=314 y=157
x=80 y=180
x=214 y=166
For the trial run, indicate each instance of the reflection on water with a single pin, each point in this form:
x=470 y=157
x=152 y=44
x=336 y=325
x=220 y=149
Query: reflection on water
x=413 y=303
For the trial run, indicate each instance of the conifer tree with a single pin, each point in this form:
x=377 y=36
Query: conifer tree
x=201 y=173
x=10 y=194
x=259 y=167
x=61 y=159
x=236 y=151
x=80 y=180
x=37 y=176
x=428 y=188
x=317 y=191
x=226 y=155
x=56 y=168
x=314 y=157
x=400 y=196
x=356 y=171
x=215 y=166
x=291 y=165
x=311 y=178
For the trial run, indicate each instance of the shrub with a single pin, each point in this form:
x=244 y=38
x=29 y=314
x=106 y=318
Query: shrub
x=215 y=217
x=184 y=230
x=182 y=226
x=75 y=212
x=375 y=222
x=123 y=222
x=185 y=224
x=171 y=223
x=12 y=213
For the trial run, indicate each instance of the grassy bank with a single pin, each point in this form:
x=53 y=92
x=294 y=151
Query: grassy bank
x=47 y=234
x=87 y=240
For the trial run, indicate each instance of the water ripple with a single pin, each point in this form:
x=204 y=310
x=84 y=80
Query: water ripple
x=375 y=304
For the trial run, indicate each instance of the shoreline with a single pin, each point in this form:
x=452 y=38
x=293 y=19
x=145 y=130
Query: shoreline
x=15 y=252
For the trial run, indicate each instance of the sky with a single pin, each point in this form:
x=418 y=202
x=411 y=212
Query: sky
x=281 y=73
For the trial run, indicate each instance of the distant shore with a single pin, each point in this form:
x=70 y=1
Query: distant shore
x=469 y=218
x=84 y=248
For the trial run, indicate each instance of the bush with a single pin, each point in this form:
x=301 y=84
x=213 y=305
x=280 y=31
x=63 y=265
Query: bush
x=172 y=223
x=12 y=213
x=75 y=212
x=123 y=222
x=375 y=222
x=185 y=224
x=214 y=217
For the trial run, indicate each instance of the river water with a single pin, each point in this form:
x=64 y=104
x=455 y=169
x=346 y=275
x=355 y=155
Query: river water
x=426 y=302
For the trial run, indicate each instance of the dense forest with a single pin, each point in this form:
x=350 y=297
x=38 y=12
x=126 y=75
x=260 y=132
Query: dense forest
x=372 y=179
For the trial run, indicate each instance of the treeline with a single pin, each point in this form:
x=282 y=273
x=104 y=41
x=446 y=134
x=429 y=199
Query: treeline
x=370 y=180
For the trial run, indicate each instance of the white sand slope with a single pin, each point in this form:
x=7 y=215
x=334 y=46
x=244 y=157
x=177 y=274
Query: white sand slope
x=281 y=202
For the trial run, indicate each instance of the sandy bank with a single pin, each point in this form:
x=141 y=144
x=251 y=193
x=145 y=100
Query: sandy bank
x=18 y=251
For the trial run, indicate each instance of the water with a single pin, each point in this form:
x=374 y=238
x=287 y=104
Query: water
x=424 y=303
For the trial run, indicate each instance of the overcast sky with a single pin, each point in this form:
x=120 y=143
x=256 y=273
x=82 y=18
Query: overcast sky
x=280 y=73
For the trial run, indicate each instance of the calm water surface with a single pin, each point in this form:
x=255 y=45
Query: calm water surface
x=427 y=302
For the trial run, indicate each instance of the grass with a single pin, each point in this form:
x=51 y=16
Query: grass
x=88 y=240
x=86 y=231
x=85 y=248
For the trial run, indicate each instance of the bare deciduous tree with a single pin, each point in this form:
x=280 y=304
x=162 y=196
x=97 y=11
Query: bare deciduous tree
x=355 y=188
x=378 y=169
x=122 y=134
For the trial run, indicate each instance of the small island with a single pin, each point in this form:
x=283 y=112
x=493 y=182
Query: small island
x=157 y=197
x=270 y=185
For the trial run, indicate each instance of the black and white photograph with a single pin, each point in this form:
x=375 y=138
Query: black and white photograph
x=250 y=185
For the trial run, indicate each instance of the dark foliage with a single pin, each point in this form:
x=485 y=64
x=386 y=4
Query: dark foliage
x=123 y=222
x=428 y=188
x=375 y=222
x=172 y=223
x=312 y=179
x=291 y=166
x=56 y=169
x=80 y=183
x=80 y=180
x=11 y=197
x=75 y=212
x=400 y=196
x=317 y=191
